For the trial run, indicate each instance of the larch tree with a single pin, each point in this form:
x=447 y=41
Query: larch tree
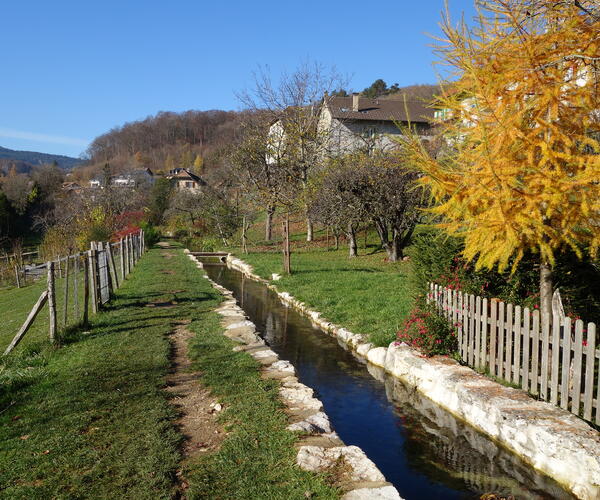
x=520 y=115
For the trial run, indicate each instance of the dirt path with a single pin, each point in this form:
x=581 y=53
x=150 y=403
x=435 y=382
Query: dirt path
x=198 y=409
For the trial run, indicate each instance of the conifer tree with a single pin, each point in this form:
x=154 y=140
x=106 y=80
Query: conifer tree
x=521 y=120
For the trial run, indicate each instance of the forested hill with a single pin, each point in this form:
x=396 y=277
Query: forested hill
x=167 y=140
x=25 y=160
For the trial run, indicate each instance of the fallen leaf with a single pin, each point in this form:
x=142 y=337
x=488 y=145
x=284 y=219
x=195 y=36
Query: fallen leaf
x=24 y=437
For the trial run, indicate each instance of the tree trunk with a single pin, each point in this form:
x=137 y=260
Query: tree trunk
x=336 y=237
x=309 y=229
x=286 y=245
x=545 y=289
x=269 y=223
x=244 y=246
x=352 y=246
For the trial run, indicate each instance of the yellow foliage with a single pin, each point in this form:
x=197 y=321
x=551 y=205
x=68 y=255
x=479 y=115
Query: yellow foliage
x=522 y=170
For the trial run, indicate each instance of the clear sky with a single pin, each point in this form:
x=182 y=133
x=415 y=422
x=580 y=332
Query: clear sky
x=72 y=70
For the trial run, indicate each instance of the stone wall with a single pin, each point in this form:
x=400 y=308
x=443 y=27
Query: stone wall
x=550 y=439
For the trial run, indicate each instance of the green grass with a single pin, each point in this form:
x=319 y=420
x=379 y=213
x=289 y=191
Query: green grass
x=257 y=459
x=364 y=294
x=15 y=304
x=91 y=419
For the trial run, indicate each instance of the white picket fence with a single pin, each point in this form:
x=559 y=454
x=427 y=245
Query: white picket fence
x=554 y=360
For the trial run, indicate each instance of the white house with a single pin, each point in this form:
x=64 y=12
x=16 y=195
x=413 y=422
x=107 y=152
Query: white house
x=356 y=122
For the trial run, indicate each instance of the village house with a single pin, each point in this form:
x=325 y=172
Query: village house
x=130 y=179
x=347 y=124
x=184 y=180
x=352 y=123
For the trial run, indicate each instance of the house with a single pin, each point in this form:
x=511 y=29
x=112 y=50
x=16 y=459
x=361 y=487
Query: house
x=71 y=186
x=133 y=178
x=184 y=180
x=356 y=122
x=96 y=183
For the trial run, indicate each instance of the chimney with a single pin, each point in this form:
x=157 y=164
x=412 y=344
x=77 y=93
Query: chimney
x=355 y=101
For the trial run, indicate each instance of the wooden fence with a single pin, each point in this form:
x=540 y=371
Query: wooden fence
x=87 y=280
x=554 y=360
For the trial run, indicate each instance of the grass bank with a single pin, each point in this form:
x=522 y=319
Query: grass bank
x=92 y=419
x=364 y=294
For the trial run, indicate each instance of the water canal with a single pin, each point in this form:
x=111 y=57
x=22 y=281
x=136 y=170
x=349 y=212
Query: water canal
x=419 y=447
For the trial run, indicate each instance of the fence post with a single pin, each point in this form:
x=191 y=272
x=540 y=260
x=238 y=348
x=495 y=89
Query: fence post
x=93 y=279
x=131 y=259
x=17 y=276
x=122 y=255
x=589 y=373
x=127 y=262
x=86 y=288
x=51 y=302
x=66 y=295
x=76 y=288
x=111 y=266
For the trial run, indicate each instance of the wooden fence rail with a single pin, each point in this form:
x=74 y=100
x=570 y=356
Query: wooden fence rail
x=100 y=280
x=553 y=359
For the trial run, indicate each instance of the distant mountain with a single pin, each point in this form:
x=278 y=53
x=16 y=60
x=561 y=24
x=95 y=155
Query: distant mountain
x=25 y=160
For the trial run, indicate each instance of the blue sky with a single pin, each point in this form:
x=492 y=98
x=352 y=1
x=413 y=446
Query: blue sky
x=72 y=70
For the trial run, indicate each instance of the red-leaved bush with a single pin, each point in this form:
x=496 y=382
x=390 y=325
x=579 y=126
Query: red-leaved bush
x=428 y=332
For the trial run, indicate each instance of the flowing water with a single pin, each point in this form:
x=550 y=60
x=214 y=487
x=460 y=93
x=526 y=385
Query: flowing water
x=421 y=448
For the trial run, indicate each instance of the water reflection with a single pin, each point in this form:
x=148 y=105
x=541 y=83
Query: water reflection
x=421 y=448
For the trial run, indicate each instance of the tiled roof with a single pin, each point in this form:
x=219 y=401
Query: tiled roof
x=186 y=174
x=380 y=110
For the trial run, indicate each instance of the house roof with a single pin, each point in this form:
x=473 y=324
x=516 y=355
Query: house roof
x=184 y=173
x=380 y=110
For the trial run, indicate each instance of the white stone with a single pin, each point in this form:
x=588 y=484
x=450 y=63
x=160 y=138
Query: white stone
x=265 y=353
x=317 y=459
x=315 y=424
x=282 y=366
x=299 y=396
x=383 y=493
x=343 y=334
x=231 y=312
x=276 y=277
x=240 y=324
x=363 y=349
x=377 y=355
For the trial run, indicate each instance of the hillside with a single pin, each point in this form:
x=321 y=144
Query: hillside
x=25 y=160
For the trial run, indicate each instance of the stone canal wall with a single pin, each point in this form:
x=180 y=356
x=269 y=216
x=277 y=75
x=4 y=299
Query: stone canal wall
x=548 y=438
x=320 y=448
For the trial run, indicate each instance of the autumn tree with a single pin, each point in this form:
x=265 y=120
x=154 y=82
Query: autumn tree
x=198 y=164
x=522 y=173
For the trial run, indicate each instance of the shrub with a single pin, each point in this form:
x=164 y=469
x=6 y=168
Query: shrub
x=428 y=332
x=438 y=258
x=202 y=244
x=151 y=234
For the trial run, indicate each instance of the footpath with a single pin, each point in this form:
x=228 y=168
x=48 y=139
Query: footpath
x=149 y=402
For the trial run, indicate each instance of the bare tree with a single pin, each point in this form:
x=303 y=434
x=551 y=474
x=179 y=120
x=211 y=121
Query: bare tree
x=377 y=187
x=293 y=107
x=335 y=203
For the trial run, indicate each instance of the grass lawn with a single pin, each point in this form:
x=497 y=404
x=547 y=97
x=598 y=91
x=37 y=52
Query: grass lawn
x=364 y=294
x=92 y=419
